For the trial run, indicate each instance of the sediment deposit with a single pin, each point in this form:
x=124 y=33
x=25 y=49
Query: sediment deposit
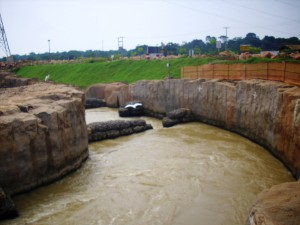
x=43 y=134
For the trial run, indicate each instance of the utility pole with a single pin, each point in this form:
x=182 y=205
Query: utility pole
x=4 y=43
x=49 y=50
x=120 y=44
x=226 y=28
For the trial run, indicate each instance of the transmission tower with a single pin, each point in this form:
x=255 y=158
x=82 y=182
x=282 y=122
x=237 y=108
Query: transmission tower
x=3 y=41
x=120 y=42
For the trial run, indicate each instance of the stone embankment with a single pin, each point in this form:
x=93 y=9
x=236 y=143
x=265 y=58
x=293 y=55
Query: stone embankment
x=43 y=133
x=99 y=131
x=264 y=111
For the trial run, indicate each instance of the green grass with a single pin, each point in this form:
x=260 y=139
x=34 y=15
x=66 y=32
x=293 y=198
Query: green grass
x=129 y=71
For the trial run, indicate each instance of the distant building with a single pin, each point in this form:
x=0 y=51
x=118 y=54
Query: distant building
x=154 y=52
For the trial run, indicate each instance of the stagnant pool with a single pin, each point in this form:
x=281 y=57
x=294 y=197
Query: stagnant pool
x=190 y=174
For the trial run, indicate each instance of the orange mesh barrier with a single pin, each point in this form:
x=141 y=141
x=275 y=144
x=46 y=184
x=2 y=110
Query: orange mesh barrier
x=286 y=72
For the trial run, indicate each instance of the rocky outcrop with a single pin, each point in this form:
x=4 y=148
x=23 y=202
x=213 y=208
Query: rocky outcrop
x=99 y=131
x=279 y=205
x=9 y=80
x=177 y=116
x=43 y=134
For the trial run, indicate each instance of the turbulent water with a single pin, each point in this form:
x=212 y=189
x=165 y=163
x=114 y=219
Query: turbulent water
x=190 y=174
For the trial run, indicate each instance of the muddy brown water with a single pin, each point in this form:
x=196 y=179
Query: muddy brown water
x=190 y=174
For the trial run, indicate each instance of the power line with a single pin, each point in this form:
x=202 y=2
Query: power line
x=227 y=18
x=262 y=11
x=288 y=3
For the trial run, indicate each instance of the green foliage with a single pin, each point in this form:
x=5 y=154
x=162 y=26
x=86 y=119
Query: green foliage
x=183 y=51
x=213 y=41
x=254 y=50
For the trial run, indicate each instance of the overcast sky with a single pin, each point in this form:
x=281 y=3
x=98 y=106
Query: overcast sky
x=96 y=24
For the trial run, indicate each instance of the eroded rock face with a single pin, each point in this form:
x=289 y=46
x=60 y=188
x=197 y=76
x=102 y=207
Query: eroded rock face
x=279 y=205
x=43 y=134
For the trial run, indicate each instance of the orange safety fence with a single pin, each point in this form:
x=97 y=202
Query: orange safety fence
x=285 y=72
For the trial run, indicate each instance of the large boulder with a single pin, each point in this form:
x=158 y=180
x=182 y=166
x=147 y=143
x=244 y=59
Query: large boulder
x=280 y=205
x=176 y=116
x=267 y=55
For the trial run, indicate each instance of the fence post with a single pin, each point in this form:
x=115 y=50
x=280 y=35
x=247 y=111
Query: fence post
x=213 y=71
x=227 y=71
x=267 y=71
x=245 y=71
x=284 y=71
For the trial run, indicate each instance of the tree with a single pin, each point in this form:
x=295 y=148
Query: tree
x=183 y=50
x=140 y=50
x=223 y=38
x=269 y=43
x=197 y=51
x=252 y=40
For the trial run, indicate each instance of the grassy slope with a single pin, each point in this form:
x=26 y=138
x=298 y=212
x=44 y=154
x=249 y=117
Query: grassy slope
x=85 y=74
x=129 y=71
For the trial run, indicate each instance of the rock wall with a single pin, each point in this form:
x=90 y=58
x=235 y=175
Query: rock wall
x=264 y=111
x=43 y=134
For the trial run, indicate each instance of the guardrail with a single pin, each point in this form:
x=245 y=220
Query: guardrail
x=285 y=72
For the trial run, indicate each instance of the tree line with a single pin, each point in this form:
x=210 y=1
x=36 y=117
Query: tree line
x=268 y=43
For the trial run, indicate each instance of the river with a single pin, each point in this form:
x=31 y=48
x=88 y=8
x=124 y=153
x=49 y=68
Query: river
x=190 y=174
